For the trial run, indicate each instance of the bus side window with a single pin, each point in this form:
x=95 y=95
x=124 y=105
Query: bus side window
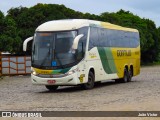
x=93 y=40
x=82 y=43
x=103 y=39
x=111 y=37
x=80 y=51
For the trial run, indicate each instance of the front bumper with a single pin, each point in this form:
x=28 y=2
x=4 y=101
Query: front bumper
x=67 y=80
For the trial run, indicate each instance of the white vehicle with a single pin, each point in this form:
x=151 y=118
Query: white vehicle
x=82 y=52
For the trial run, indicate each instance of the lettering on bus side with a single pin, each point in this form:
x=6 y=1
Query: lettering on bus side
x=121 y=53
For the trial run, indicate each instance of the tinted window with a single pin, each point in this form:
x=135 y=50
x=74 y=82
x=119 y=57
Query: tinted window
x=82 y=43
x=118 y=38
x=93 y=40
x=100 y=37
x=103 y=39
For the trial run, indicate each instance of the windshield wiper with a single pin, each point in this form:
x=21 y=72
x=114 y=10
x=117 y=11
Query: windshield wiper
x=46 y=57
x=59 y=61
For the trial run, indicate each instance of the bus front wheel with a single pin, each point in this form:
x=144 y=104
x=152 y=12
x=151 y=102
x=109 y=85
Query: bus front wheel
x=51 y=87
x=90 y=83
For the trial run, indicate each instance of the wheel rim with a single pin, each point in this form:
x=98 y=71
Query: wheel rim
x=89 y=80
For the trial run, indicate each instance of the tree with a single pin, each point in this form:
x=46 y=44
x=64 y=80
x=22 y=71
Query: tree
x=9 y=39
x=21 y=22
x=1 y=22
x=147 y=29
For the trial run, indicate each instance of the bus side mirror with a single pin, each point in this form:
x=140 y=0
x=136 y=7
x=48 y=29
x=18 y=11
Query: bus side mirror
x=76 y=41
x=26 y=42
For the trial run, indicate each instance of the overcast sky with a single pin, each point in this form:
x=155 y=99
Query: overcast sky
x=143 y=8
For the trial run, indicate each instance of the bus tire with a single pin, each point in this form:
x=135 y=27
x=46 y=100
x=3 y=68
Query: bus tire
x=90 y=83
x=52 y=87
x=125 y=77
x=130 y=75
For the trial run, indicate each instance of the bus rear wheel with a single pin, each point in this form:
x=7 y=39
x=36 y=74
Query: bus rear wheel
x=130 y=75
x=51 y=87
x=90 y=83
x=125 y=77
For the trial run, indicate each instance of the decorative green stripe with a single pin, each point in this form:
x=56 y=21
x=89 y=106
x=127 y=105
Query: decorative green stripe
x=107 y=60
x=60 y=71
x=65 y=70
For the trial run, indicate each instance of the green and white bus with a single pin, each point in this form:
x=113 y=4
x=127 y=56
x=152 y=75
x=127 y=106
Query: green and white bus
x=83 y=52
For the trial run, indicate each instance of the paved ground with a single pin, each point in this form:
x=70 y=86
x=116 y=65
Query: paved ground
x=142 y=94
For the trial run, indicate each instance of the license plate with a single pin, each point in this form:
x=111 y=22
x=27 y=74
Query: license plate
x=51 y=81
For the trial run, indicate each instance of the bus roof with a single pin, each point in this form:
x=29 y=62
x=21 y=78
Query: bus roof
x=72 y=24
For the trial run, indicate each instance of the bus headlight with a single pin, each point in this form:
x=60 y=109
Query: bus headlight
x=72 y=71
x=33 y=71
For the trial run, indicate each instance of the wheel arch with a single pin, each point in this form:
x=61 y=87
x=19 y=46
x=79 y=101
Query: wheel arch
x=87 y=73
x=126 y=66
x=92 y=70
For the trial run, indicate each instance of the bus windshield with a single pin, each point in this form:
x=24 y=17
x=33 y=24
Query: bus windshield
x=53 y=49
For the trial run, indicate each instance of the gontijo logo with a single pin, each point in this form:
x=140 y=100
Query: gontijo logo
x=92 y=55
x=121 y=53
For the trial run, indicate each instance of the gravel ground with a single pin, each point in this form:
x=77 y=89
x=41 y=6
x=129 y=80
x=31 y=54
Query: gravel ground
x=142 y=94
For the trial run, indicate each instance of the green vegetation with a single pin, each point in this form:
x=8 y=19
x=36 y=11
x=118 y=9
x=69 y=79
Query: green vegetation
x=20 y=23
